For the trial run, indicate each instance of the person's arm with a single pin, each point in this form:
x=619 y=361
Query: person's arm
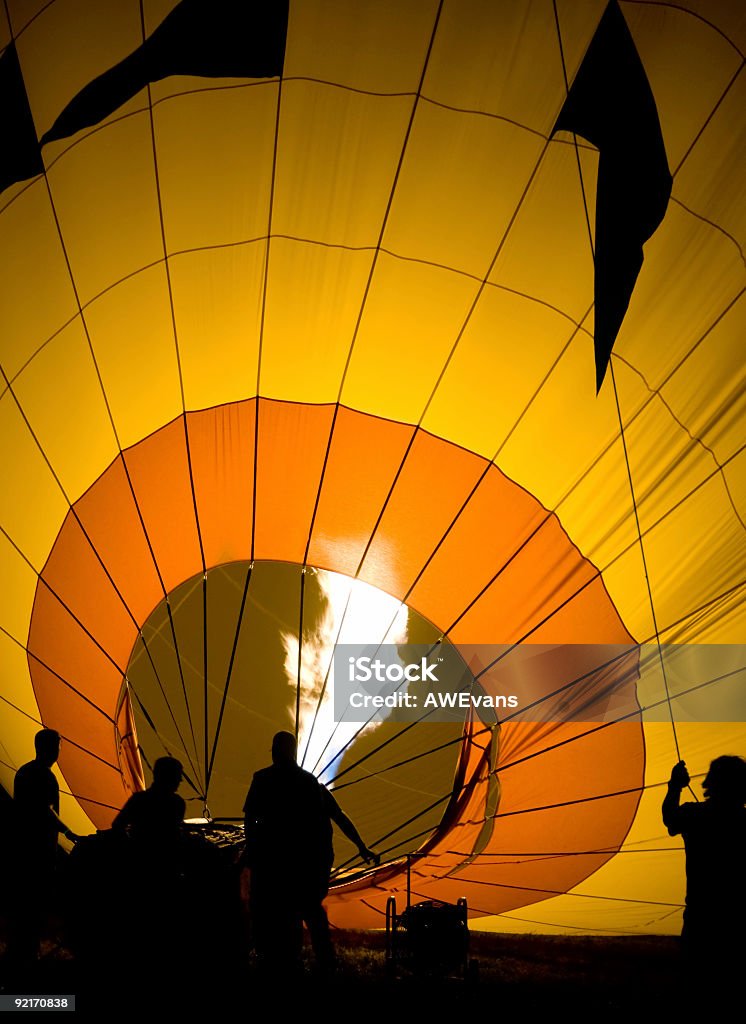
x=671 y=808
x=62 y=827
x=339 y=818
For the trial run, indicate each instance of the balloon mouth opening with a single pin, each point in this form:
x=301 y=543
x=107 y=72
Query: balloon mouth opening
x=234 y=655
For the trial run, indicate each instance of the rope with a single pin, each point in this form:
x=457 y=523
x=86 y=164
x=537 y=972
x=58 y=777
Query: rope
x=619 y=414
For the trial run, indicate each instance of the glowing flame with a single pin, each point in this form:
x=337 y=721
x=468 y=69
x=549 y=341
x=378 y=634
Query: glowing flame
x=356 y=613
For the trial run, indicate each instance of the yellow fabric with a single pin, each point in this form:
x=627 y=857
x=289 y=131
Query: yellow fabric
x=473 y=319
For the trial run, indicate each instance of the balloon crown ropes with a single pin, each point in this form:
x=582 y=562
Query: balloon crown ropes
x=251 y=309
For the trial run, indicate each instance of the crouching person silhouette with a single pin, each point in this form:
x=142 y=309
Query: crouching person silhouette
x=152 y=822
x=288 y=817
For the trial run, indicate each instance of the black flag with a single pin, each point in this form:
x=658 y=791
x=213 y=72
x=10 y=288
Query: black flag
x=611 y=105
x=20 y=157
x=209 y=38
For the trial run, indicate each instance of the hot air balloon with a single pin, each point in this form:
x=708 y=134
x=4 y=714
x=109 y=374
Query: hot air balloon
x=412 y=321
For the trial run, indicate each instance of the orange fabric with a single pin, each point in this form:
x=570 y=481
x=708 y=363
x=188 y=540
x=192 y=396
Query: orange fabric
x=433 y=485
x=502 y=515
x=292 y=444
x=538 y=582
x=222 y=449
x=363 y=458
x=109 y=515
x=61 y=643
x=91 y=769
x=81 y=583
x=129 y=755
x=159 y=470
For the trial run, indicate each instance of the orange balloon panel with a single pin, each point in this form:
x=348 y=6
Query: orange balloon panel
x=309 y=484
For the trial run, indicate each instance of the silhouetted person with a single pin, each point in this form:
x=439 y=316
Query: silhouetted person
x=714 y=833
x=152 y=822
x=155 y=816
x=36 y=805
x=288 y=817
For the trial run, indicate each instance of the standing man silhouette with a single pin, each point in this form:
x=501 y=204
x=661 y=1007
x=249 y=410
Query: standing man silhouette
x=36 y=805
x=714 y=833
x=288 y=817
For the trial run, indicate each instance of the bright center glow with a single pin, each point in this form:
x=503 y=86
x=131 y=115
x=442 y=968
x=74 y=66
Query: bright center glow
x=355 y=613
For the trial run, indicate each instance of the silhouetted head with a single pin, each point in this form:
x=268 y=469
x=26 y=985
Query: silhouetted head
x=167 y=773
x=47 y=745
x=726 y=779
x=284 y=748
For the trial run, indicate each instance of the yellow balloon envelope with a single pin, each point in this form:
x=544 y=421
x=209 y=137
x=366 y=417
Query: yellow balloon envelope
x=318 y=288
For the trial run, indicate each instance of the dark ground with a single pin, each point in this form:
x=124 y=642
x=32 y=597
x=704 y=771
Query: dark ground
x=615 y=978
x=202 y=969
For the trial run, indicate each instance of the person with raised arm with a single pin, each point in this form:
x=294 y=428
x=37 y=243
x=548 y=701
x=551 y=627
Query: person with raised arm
x=288 y=817
x=714 y=834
